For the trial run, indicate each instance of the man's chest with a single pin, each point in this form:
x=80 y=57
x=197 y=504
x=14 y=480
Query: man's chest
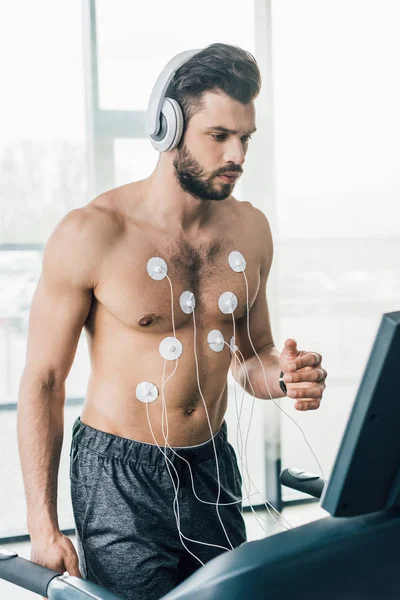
x=128 y=290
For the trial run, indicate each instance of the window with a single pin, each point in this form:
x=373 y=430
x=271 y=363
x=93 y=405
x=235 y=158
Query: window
x=337 y=128
x=45 y=148
x=44 y=175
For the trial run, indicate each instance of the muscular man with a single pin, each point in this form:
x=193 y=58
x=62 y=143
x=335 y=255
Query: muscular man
x=94 y=277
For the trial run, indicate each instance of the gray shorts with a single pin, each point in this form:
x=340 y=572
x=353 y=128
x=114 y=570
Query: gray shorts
x=122 y=497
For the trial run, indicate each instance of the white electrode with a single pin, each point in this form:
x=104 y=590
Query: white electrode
x=227 y=302
x=146 y=391
x=216 y=340
x=232 y=345
x=237 y=261
x=187 y=302
x=157 y=268
x=170 y=348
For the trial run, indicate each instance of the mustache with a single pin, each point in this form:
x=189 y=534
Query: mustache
x=230 y=171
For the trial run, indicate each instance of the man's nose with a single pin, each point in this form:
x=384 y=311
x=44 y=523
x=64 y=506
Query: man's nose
x=235 y=153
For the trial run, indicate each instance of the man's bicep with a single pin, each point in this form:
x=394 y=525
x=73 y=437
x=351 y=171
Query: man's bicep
x=61 y=301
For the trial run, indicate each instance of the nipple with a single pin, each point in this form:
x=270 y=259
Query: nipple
x=145 y=321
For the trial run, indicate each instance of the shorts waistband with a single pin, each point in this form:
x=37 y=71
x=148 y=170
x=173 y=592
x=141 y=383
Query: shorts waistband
x=108 y=444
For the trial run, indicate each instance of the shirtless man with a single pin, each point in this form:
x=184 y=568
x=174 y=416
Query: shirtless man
x=94 y=277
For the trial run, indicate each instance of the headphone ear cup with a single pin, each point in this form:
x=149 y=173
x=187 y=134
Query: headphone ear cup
x=180 y=121
x=171 y=121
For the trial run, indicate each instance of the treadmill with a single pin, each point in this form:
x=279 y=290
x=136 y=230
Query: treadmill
x=353 y=554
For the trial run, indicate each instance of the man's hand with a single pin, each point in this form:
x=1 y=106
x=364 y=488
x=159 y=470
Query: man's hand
x=56 y=552
x=303 y=375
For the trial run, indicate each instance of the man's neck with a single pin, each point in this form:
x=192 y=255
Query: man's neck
x=171 y=206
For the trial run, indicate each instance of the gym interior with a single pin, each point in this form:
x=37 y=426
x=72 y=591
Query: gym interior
x=324 y=166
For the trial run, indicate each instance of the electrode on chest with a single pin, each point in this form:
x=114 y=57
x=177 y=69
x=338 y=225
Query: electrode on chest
x=171 y=348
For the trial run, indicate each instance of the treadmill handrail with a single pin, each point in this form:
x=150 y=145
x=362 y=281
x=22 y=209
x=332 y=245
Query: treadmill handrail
x=46 y=582
x=305 y=482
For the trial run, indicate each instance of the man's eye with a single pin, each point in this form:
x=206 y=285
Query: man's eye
x=220 y=137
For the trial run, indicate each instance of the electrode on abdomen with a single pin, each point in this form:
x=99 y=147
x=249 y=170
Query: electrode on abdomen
x=216 y=340
x=170 y=348
x=146 y=392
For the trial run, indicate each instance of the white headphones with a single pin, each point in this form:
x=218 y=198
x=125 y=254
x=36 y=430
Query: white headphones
x=164 y=118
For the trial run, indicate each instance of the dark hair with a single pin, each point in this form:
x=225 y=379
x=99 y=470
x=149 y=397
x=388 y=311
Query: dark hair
x=219 y=67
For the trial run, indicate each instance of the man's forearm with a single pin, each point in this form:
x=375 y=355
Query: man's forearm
x=269 y=356
x=40 y=427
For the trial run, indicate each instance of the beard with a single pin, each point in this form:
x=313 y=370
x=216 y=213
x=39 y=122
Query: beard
x=193 y=180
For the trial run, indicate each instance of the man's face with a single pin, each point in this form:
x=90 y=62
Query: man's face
x=215 y=143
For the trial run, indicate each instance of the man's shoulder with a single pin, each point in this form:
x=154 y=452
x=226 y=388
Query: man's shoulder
x=247 y=211
x=97 y=222
x=111 y=202
x=110 y=211
x=96 y=218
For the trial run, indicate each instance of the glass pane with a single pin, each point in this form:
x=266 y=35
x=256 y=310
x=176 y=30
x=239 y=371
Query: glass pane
x=135 y=44
x=42 y=148
x=337 y=118
x=19 y=273
x=12 y=497
x=134 y=159
x=337 y=129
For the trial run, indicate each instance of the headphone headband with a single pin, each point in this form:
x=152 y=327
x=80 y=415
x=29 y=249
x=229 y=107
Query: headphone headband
x=153 y=121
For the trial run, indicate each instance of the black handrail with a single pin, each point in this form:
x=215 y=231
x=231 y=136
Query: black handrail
x=46 y=582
